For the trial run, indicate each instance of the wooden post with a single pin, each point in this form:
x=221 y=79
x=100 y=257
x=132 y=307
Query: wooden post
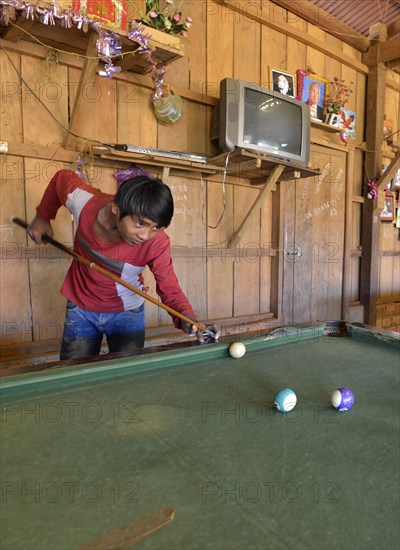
x=375 y=105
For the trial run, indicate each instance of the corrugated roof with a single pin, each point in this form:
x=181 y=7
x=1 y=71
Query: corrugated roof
x=361 y=14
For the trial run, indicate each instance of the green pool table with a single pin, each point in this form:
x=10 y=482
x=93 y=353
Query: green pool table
x=90 y=447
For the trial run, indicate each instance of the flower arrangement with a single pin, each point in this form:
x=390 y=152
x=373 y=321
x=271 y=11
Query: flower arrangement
x=164 y=15
x=337 y=95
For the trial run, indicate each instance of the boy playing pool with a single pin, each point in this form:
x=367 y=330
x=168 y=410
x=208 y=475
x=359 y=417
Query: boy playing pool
x=123 y=233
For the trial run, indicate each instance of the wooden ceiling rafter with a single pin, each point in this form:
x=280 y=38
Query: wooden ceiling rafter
x=326 y=21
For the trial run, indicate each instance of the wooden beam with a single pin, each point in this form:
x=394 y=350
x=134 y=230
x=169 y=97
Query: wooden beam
x=272 y=179
x=383 y=50
x=389 y=173
x=326 y=21
x=394 y=27
x=15 y=30
x=390 y=50
x=247 y=9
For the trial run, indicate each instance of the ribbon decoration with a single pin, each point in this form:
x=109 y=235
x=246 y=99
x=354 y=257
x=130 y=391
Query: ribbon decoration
x=108 y=46
x=373 y=192
x=137 y=34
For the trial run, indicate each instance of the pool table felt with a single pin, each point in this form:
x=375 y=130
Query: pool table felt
x=203 y=438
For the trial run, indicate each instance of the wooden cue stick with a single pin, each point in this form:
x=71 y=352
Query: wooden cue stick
x=110 y=275
x=128 y=535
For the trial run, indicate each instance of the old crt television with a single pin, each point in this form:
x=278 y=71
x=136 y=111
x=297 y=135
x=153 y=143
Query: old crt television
x=252 y=117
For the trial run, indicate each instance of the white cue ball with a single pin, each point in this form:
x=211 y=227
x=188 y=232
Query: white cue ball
x=237 y=350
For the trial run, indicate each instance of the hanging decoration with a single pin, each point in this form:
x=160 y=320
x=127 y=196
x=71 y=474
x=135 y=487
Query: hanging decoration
x=168 y=108
x=166 y=102
x=109 y=44
x=373 y=191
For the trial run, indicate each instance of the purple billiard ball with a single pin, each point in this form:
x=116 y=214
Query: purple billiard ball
x=342 y=399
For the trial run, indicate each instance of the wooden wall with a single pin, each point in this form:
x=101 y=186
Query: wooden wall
x=254 y=282
x=389 y=246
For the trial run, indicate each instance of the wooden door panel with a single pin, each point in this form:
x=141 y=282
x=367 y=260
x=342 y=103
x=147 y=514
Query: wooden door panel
x=314 y=241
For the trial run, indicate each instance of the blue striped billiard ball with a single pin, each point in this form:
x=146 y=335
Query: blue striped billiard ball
x=285 y=400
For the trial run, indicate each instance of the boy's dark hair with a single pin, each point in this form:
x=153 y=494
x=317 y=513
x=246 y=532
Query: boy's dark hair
x=147 y=198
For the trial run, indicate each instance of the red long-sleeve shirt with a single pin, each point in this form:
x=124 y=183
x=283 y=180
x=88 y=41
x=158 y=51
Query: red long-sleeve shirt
x=86 y=287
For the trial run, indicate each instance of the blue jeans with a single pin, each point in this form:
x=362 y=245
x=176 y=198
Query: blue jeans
x=84 y=330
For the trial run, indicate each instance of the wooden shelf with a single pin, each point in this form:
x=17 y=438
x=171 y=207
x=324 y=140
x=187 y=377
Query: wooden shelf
x=258 y=167
x=326 y=127
x=113 y=155
x=167 y=48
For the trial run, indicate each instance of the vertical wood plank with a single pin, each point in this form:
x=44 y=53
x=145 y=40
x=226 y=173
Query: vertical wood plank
x=297 y=55
x=321 y=242
x=274 y=54
x=173 y=136
x=10 y=108
x=219 y=51
x=219 y=265
x=16 y=325
x=301 y=240
x=197 y=116
x=37 y=176
x=265 y=263
x=337 y=260
x=96 y=118
x=348 y=238
x=284 y=219
x=246 y=267
x=354 y=279
x=136 y=123
x=48 y=306
x=195 y=46
x=48 y=91
x=332 y=66
x=86 y=78
x=246 y=31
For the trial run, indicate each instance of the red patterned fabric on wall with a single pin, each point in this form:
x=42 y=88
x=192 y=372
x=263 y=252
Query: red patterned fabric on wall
x=112 y=12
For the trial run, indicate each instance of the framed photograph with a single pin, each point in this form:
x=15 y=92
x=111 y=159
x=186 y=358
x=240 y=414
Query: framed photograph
x=311 y=89
x=397 y=180
x=387 y=214
x=282 y=82
x=388 y=131
x=347 y=123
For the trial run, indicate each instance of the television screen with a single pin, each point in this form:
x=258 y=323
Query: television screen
x=262 y=120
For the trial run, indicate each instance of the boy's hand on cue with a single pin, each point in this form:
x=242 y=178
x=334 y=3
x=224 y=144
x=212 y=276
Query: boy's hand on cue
x=37 y=228
x=213 y=331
